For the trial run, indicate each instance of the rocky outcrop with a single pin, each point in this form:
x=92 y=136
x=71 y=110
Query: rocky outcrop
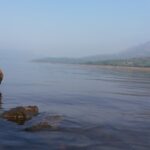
x=1 y=76
x=32 y=120
x=20 y=114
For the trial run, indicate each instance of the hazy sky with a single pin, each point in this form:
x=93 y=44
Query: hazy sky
x=73 y=27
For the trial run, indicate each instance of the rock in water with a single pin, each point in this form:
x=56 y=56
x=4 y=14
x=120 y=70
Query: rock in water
x=20 y=114
x=39 y=127
x=44 y=122
x=1 y=76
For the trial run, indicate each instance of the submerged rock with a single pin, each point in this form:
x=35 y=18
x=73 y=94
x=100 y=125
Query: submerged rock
x=20 y=114
x=44 y=122
x=1 y=76
x=38 y=127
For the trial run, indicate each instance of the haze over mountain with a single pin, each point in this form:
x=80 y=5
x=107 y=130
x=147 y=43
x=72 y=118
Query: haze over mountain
x=142 y=50
x=138 y=56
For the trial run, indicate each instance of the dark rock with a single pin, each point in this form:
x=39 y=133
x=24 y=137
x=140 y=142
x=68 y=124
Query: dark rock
x=1 y=76
x=20 y=114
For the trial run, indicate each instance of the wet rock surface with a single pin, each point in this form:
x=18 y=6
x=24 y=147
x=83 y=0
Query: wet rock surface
x=20 y=114
x=31 y=120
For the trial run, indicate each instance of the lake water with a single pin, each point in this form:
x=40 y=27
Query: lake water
x=102 y=109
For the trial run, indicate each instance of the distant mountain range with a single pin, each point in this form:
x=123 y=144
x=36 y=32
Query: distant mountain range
x=142 y=50
x=138 y=56
x=138 y=51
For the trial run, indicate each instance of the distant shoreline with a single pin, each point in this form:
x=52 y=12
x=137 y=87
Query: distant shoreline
x=128 y=68
x=140 y=64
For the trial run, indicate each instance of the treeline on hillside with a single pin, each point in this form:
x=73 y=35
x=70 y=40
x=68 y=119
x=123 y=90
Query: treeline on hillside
x=133 y=62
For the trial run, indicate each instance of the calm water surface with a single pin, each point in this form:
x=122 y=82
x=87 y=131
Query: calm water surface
x=102 y=109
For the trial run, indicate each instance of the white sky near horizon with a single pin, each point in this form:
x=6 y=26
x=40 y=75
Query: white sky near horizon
x=72 y=28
